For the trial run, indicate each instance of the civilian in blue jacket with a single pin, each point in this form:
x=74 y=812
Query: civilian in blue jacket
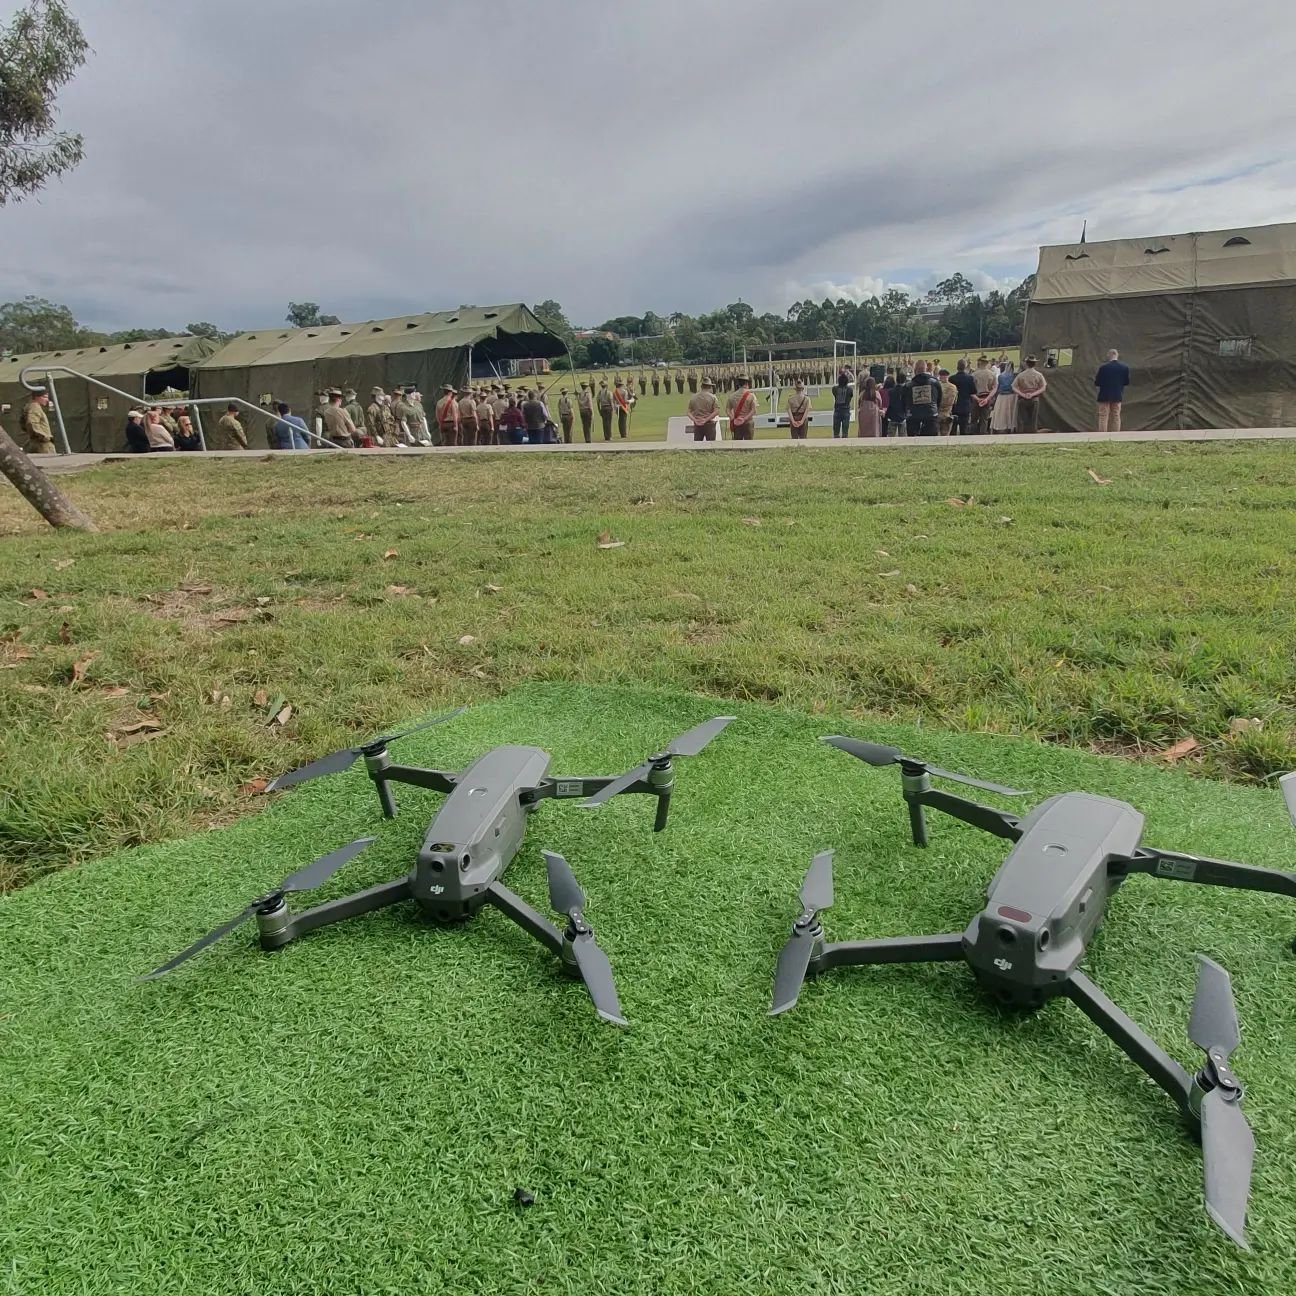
x=1111 y=380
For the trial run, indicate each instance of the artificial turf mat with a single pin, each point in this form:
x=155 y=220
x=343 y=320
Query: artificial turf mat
x=353 y=1114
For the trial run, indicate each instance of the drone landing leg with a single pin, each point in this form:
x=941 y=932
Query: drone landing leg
x=513 y=907
x=279 y=927
x=1130 y=1038
x=917 y=820
x=897 y=949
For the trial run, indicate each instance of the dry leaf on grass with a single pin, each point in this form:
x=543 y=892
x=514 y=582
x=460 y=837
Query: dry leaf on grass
x=911 y=589
x=890 y=573
x=493 y=589
x=465 y=640
x=1184 y=747
x=1005 y=521
x=33 y=688
x=63 y=564
x=399 y=591
x=259 y=698
x=751 y=521
x=1245 y=724
x=40 y=594
x=1102 y=481
x=263 y=601
x=254 y=787
x=232 y=616
x=283 y=715
x=881 y=553
x=189 y=588
x=81 y=665
x=604 y=541
x=955 y=501
x=117 y=690
x=390 y=553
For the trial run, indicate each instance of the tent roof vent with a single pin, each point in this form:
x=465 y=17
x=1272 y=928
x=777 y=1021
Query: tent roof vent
x=1238 y=241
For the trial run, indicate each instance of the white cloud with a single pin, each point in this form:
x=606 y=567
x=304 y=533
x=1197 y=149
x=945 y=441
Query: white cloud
x=320 y=160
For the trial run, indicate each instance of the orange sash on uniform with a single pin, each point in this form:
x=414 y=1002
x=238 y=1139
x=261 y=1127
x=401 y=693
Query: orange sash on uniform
x=739 y=416
x=448 y=410
x=618 y=395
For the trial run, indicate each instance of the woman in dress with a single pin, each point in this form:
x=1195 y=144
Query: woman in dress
x=868 y=411
x=1003 y=418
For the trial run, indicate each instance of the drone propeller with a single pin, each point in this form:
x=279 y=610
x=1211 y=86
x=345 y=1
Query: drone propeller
x=1288 y=785
x=336 y=762
x=689 y=743
x=794 y=958
x=876 y=754
x=304 y=879
x=1228 y=1146
x=566 y=896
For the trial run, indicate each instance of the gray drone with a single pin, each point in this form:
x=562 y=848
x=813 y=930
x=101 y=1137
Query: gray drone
x=1042 y=909
x=467 y=848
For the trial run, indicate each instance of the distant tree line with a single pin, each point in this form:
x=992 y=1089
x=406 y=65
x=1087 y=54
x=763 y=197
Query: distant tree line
x=952 y=315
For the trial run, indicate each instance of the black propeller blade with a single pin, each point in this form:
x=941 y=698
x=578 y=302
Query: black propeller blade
x=1288 y=785
x=876 y=754
x=566 y=896
x=794 y=958
x=336 y=762
x=689 y=743
x=304 y=879
x=1228 y=1146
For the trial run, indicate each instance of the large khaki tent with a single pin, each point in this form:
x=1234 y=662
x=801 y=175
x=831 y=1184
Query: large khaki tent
x=425 y=350
x=96 y=419
x=1206 y=322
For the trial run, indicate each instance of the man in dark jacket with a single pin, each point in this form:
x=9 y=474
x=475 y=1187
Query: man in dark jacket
x=924 y=401
x=1111 y=380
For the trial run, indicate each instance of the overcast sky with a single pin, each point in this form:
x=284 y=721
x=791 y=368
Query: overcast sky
x=390 y=156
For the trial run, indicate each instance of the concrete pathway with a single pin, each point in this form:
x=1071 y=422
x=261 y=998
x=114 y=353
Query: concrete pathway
x=75 y=462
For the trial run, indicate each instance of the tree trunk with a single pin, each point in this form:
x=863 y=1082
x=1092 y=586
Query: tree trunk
x=37 y=489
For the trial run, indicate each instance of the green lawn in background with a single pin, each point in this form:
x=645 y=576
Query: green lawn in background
x=353 y=1113
x=1124 y=616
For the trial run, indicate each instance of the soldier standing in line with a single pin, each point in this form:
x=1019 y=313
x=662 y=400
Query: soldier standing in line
x=447 y=416
x=693 y=381
x=467 y=417
x=355 y=411
x=679 y=382
x=418 y=423
x=622 y=401
x=499 y=403
x=401 y=413
x=656 y=382
x=704 y=411
x=798 y=408
x=566 y=415
x=34 y=424
x=485 y=420
x=605 y=408
x=741 y=408
x=338 y=427
x=374 y=416
x=585 y=404
x=317 y=417
x=643 y=383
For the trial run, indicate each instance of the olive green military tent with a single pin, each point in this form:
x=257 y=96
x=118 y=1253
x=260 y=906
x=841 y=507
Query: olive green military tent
x=1206 y=323
x=96 y=419
x=423 y=350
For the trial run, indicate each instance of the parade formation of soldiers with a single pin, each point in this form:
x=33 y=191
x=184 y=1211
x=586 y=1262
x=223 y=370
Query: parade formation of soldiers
x=474 y=414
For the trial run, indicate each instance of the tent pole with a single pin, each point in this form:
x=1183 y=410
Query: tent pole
x=65 y=445
x=468 y=380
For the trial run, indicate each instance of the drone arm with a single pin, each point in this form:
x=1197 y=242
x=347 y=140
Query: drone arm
x=985 y=817
x=512 y=906
x=897 y=949
x=1209 y=872
x=436 y=780
x=278 y=929
x=1129 y=1037
x=568 y=787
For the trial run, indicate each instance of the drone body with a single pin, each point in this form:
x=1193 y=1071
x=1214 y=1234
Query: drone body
x=1043 y=906
x=467 y=848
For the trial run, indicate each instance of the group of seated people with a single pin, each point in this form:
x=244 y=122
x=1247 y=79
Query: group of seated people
x=161 y=428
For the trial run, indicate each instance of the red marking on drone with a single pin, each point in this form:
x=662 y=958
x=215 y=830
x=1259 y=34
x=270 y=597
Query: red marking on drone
x=1017 y=915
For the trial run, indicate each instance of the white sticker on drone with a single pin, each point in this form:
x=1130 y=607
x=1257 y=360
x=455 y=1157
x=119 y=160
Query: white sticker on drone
x=1003 y=965
x=1183 y=870
x=569 y=789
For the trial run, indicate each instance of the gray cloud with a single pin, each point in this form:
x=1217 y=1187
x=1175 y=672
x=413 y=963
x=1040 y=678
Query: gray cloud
x=400 y=156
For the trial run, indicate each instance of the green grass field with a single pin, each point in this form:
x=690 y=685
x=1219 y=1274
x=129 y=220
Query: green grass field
x=353 y=1114
x=648 y=422
x=1124 y=617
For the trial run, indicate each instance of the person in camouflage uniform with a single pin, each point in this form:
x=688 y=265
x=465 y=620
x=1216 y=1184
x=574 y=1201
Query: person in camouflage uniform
x=355 y=411
x=34 y=424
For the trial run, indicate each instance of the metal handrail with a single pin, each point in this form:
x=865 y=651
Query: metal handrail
x=48 y=384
